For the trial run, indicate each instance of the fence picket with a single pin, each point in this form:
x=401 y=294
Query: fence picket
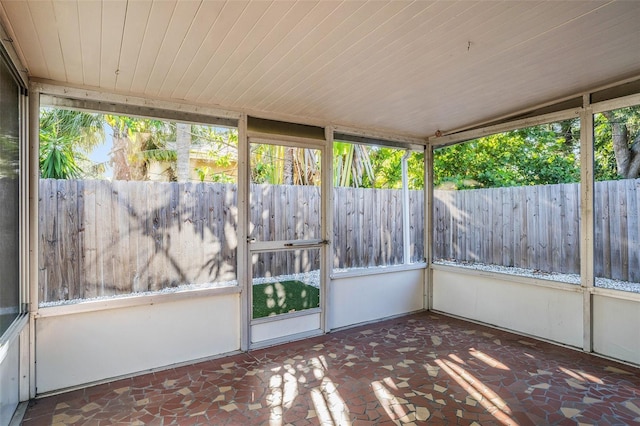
x=633 y=229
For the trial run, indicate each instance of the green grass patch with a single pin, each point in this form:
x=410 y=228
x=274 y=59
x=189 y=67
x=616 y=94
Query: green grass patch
x=282 y=297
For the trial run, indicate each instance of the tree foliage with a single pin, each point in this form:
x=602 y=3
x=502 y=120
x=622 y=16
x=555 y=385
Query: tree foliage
x=285 y=165
x=544 y=154
x=351 y=164
x=364 y=166
x=617 y=144
x=65 y=138
x=539 y=155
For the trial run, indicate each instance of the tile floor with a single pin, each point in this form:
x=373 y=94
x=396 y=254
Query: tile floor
x=423 y=368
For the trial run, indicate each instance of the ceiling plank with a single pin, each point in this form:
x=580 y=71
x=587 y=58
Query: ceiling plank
x=203 y=24
x=349 y=32
x=113 y=20
x=155 y=30
x=293 y=33
x=207 y=52
x=90 y=23
x=268 y=48
x=366 y=61
x=26 y=38
x=236 y=34
x=261 y=32
x=181 y=22
x=137 y=22
x=48 y=35
x=286 y=65
x=66 y=15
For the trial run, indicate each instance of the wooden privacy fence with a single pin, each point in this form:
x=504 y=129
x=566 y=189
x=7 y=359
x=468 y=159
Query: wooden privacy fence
x=367 y=227
x=101 y=238
x=538 y=227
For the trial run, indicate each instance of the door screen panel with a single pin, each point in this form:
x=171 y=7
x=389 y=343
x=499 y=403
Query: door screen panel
x=285 y=193
x=285 y=282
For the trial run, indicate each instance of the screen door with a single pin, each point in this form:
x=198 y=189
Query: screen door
x=285 y=241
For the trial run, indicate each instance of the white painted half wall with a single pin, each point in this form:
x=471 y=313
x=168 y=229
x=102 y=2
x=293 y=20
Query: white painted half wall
x=10 y=375
x=285 y=327
x=616 y=328
x=553 y=314
x=81 y=348
x=358 y=299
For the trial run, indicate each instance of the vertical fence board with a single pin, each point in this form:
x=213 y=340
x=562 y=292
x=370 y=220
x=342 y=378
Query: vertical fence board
x=509 y=213
x=545 y=207
x=623 y=241
x=139 y=223
x=606 y=229
x=496 y=218
x=554 y=228
x=149 y=224
x=157 y=233
x=125 y=270
x=457 y=219
x=633 y=229
x=369 y=229
x=89 y=250
x=351 y=223
x=598 y=230
x=46 y=247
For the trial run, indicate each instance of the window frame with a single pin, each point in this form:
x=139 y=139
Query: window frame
x=8 y=59
x=410 y=146
x=606 y=105
x=103 y=103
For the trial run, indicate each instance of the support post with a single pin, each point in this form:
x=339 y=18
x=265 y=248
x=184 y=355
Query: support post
x=428 y=225
x=587 y=221
x=33 y=188
x=243 y=232
x=327 y=229
x=406 y=236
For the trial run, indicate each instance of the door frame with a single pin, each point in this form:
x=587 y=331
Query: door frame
x=323 y=244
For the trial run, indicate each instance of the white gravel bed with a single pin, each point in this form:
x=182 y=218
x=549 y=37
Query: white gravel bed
x=167 y=290
x=618 y=285
x=563 y=278
x=311 y=278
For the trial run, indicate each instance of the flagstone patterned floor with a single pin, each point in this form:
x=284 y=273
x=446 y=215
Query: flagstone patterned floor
x=423 y=368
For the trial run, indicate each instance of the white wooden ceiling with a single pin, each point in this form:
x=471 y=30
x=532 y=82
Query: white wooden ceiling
x=402 y=66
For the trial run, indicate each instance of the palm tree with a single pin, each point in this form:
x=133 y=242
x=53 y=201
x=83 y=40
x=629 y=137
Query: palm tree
x=65 y=137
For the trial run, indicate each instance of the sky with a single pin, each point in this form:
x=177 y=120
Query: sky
x=100 y=153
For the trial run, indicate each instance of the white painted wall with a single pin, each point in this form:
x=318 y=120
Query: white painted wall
x=549 y=313
x=357 y=299
x=81 y=348
x=616 y=328
x=285 y=327
x=9 y=376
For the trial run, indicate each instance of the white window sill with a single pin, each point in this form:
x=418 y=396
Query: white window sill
x=132 y=300
x=376 y=270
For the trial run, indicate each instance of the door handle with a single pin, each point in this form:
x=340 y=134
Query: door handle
x=307 y=243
